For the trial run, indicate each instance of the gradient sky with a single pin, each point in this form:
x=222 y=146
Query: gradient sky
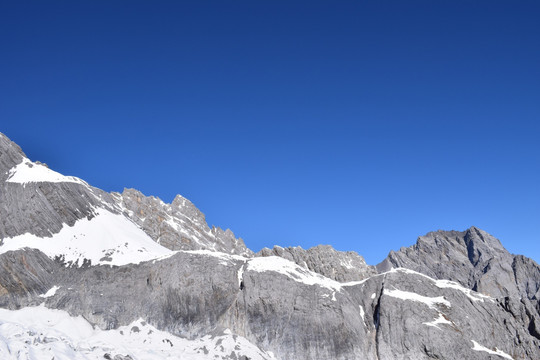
x=360 y=124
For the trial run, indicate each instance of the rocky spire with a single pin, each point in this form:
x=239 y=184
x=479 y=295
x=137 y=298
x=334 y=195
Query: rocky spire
x=10 y=155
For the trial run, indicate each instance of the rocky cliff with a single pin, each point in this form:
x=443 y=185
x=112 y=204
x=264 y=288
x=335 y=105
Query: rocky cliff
x=177 y=226
x=126 y=276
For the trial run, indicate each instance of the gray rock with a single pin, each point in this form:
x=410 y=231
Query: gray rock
x=42 y=208
x=177 y=226
x=325 y=260
x=386 y=316
x=10 y=155
x=475 y=259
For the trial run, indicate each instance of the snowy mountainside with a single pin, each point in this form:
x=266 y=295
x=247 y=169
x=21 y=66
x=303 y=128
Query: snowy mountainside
x=36 y=333
x=132 y=277
x=278 y=306
x=106 y=238
x=113 y=228
x=66 y=218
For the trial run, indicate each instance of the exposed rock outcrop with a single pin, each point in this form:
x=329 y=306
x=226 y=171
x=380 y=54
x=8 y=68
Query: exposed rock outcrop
x=179 y=225
x=475 y=259
x=325 y=260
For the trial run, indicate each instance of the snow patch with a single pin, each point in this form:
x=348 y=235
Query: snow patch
x=443 y=284
x=359 y=282
x=406 y=295
x=241 y=275
x=362 y=313
x=447 y=284
x=29 y=172
x=440 y=320
x=474 y=296
x=51 y=292
x=107 y=238
x=293 y=271
x=478 y=347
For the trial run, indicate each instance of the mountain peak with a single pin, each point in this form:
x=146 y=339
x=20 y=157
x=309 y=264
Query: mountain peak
x=479 y=236
x=10 y=155
x=473 y=258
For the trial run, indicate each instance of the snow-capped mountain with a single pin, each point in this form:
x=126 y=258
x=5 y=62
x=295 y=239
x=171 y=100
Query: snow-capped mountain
x=90 y=275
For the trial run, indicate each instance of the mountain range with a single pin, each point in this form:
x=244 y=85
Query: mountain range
x=87 y=274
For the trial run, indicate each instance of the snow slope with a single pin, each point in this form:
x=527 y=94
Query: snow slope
x=107 y=238
x=28 y=172
x=39 y=333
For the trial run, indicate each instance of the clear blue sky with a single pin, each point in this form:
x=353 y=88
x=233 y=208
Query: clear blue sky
x=360 y=124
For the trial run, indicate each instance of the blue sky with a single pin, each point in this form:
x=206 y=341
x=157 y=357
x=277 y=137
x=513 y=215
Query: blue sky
x=360 y=124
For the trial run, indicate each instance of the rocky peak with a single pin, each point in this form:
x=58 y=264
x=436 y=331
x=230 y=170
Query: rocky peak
x=184 y=207
x=10 y=155
x=177 y=226
x=39 y=201
x=473 y=258
x=481 y=246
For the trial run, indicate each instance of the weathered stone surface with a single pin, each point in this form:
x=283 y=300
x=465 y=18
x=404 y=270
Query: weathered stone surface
x=42 y=208
x=386 y=316
x=324 y=259
x=10 y=155
x=475 y=259
x=179 y=225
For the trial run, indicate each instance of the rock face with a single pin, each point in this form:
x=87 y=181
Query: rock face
x=39 y=201
x=473 y=258
x=325 y=260
x=184 y=290
x=280 y=307
x=177 y=226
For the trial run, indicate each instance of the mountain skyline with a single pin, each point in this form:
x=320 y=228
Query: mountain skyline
x=360 y=124
x=384 y=251
x=90 y=275
x=26 y=172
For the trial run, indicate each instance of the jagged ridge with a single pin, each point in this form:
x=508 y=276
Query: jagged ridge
x=294 y=303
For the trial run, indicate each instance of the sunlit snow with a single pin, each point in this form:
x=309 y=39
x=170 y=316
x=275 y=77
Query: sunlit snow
x=478 y=347
x=406 y=295
x=440 y=320
x=473 y=295
x=447 y=284
x=28 y=172
x=105 y=239
x=293 y=271
x=51 y=292
x=39 y=333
